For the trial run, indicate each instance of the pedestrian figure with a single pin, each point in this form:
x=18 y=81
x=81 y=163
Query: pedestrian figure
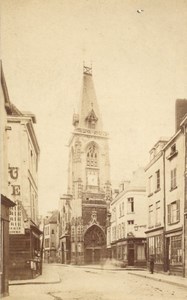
x=151 y=264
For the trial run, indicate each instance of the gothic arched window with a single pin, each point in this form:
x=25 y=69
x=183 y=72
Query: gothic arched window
x=92 y=156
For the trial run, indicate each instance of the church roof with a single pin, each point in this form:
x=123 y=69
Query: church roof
x=88 y=103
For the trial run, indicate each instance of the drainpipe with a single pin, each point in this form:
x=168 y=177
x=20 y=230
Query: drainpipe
x=164 y=210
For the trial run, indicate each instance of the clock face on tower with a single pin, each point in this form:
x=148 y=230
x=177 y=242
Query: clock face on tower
x=92 y=178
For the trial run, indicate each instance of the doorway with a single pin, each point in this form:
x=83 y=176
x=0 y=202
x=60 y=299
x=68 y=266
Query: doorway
x=131 y=253
x=92 y=256
x=131 y=257
x=94 y=241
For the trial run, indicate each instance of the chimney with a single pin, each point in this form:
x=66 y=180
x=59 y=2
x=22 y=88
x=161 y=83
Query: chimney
x=180 y=112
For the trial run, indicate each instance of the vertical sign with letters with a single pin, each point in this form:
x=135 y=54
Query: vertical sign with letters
x=15 y=191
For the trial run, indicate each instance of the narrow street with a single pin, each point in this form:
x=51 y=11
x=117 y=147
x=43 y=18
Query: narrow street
x=96 y=284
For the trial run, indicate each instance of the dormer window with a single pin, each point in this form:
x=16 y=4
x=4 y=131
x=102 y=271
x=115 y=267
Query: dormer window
x=173 y=148
x=91 y=124
x=91 y=119
x=173 y=152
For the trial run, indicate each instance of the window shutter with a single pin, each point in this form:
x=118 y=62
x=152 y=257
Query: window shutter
x=169 y=214
x=175 y=177
x=178 y=210
x=171 y=179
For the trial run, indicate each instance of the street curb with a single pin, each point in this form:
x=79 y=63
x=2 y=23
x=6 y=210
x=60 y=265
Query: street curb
x=104 y=269
x=37 y=282
x=161 y=280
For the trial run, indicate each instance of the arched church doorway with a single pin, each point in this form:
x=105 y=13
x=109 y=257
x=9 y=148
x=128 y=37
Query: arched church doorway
x=94 y=244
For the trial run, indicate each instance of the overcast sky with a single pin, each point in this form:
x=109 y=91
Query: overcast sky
x=139 y=70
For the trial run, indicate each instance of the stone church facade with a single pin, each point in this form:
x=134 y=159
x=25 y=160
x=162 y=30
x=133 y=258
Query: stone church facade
x=89 y=187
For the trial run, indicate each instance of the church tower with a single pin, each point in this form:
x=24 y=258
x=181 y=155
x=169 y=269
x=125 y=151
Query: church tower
x=88 y=178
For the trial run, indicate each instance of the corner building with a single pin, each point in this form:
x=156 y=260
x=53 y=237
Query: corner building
x=89 y=179
x=166 y=176
x=5 y=203
x=24 y=234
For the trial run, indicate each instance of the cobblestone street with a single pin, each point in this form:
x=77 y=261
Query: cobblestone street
x=96 y=284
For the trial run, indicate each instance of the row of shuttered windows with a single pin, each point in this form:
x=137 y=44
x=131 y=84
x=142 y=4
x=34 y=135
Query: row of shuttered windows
x=173 y=213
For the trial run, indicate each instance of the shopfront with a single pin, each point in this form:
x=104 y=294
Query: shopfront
x=130 y=251
x=174 y=255
x=25 y=254
x=4 y=245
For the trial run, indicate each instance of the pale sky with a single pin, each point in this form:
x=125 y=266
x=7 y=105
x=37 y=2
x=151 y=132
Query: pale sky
x=139 y=70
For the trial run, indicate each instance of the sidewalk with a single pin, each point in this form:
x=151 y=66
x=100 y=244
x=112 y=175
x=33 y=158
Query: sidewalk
x=49 y=276
x=171 y=279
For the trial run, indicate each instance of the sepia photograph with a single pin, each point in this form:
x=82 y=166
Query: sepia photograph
x=93 y=149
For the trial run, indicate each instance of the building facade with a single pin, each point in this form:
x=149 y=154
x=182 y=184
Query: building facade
x=174 y=158
x=126 y=230
x=88 y=180
x=6 y=203
x=22 y=156
x=156 y=206
x=51 y=237
x=167 y=199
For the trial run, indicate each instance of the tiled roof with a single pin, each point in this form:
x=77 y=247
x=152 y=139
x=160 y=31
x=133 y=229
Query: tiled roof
x=54 y=217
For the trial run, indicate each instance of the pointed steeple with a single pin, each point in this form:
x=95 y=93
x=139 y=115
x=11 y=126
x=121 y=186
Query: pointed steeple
x=89 y=115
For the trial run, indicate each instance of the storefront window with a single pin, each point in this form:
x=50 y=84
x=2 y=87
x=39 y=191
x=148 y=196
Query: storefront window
x=156 y=248
x=140 y=252
x=176 y=250
x=119 y=251
x=125 y=252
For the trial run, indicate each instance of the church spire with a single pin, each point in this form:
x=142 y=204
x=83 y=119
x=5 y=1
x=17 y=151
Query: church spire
x=89 y=115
